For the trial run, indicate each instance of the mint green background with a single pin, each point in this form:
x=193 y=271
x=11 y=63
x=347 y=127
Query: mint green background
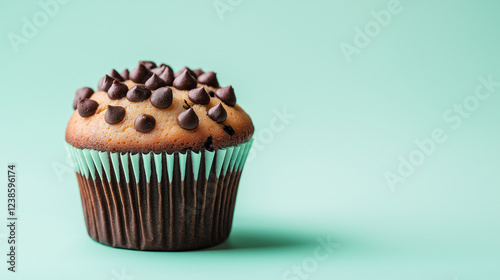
x=323 y=174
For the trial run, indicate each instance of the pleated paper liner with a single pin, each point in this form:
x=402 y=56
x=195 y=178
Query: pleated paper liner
x=167 y=202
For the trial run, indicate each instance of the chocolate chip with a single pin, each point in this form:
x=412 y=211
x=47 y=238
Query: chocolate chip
x=198 y=72
x=149 y=64
x=185 y=81
x=125 y=74
x=226 y=94
x=229 y=130
x=158 y=70
x=154 y=82
x=115 y=75
x=87 y=107
x=81 y=93
x=211 y=93
x=117 y=90
x=208 y=143
x=144 y=123
x=199 y=96
x=188 y=119
x=209 y=79
x=105 y=82
x=217 y=113
x=114 y=114
x=167 y=75
x=187 y=105
x=162 y=98
x=138 y=93
x=140 y=74
x=178 y=73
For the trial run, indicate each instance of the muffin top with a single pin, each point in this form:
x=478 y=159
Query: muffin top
x=152 y=109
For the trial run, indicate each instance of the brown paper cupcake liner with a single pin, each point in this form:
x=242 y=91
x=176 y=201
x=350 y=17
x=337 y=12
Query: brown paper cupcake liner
x=166 y=202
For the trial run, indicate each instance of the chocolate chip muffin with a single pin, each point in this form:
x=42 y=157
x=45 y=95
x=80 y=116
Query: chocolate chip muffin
x=158 y=157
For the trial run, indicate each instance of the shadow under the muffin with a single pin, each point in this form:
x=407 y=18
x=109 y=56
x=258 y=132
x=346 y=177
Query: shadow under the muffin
x=248 y=240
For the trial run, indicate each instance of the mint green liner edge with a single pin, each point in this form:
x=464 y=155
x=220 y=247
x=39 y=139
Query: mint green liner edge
x=92 y=163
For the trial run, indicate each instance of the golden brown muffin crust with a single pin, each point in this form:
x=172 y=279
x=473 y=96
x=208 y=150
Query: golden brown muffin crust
x=95 y=133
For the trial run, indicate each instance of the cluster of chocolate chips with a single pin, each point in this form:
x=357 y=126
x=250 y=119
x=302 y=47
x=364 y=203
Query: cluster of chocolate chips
x=153 y=82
